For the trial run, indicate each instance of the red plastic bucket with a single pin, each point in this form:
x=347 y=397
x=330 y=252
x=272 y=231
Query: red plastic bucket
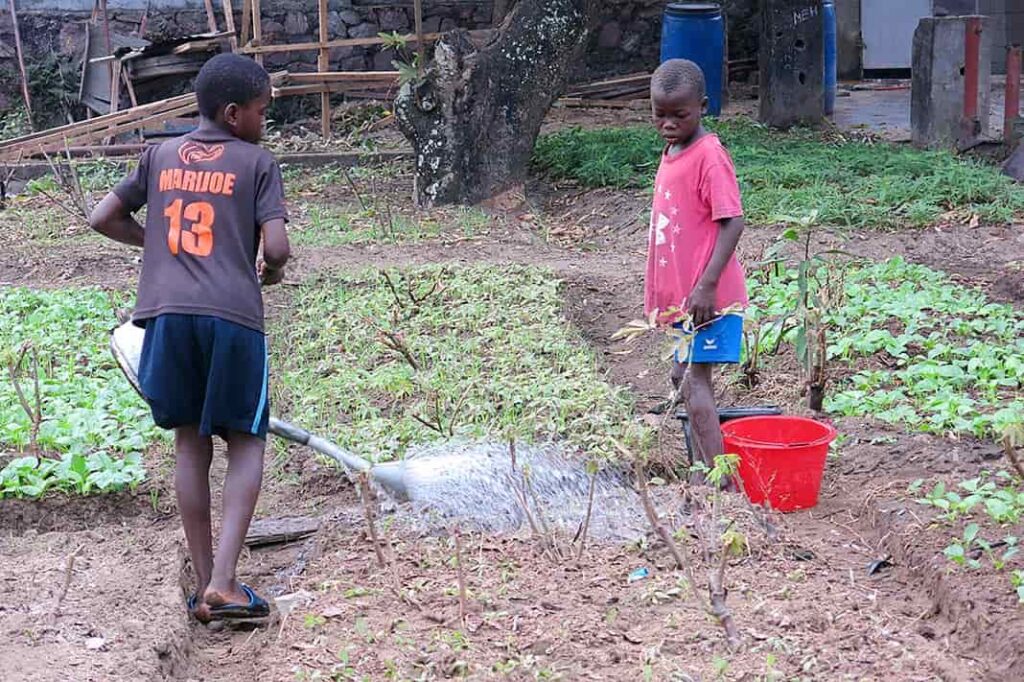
x=782 y=459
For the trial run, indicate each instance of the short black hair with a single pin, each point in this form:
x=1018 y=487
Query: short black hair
x=679 y=74
x=227 y=79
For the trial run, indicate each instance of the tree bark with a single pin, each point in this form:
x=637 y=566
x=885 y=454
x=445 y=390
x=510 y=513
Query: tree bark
x=474 y=116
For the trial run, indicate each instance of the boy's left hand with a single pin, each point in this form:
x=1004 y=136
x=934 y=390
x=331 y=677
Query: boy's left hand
x=702 y=304
x=270 y=276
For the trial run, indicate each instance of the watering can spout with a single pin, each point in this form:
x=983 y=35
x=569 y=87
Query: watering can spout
x=391 y=477
x=350 y=461
x=126 y=345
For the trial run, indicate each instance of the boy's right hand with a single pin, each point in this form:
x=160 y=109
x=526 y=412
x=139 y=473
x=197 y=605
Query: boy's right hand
x=270 y=276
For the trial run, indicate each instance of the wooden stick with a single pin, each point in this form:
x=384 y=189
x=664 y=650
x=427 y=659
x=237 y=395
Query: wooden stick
x=345 y=42
x=69 y=567
x=1011 y=454
x=323 y=65
x=144 y=21
x=246 y=21
x=421 y=48
x=21 y=64
x=106 y=26
x=211 y=18
x=461 y=575
x=115 y=86
x=257 y=30
x=345 y=76
x=202 y=43
x=78 y=138
x=229 y=22
x=719 y=609
x=586 y=519
x=666 y=537
x=367 y=498
x=98 y=122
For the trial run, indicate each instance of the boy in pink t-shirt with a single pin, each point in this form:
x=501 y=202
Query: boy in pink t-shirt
x=696 y=222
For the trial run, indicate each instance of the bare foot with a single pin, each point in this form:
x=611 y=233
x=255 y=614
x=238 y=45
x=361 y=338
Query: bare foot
x=234 y=594
x=199 y=609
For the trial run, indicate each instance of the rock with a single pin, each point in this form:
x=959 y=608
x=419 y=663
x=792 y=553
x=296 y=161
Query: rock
x=350 y=17
x=356 y=62
x=393 y=20
x=1014 y=166
x=339 y=54
x=289 y=602
x=296 y=24
x=431 y=24
x=365 y=30
x=382 y=60
x=336 y=28
x=610 y=35
x=272 y=32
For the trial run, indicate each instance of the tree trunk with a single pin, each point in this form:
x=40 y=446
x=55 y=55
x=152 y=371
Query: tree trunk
x=474 y=116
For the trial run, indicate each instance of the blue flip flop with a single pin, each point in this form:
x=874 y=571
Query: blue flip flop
x=256 y=610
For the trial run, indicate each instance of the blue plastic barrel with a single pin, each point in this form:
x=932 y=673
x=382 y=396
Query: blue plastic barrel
x=696 y=31
x=829 y=12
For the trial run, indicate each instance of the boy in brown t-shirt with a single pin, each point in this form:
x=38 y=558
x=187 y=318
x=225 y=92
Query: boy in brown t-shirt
x=211 y=197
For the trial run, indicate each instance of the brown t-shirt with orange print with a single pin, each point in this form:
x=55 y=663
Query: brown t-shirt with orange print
x=207 y=194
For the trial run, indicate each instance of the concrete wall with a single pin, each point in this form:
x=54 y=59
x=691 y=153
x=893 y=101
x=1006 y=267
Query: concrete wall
x=848 y=42
x=937 y=89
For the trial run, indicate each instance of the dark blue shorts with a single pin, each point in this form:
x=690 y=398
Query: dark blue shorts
x=205 y=371
x=717 y=343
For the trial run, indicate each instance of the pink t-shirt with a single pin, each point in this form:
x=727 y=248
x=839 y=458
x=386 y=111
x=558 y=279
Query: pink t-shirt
x=694 y=189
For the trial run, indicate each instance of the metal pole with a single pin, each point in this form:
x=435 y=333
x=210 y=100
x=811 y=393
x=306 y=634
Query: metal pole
x=1012 y=108
x=972 y=58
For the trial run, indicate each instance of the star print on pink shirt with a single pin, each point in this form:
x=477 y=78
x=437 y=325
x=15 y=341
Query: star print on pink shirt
x=693 y=191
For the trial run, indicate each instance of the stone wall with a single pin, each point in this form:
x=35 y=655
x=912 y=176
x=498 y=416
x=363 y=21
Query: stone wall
x=628 y=35
x=626 y=38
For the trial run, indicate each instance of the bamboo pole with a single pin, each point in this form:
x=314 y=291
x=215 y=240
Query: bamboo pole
x=344 y=42
x=229 y=22
x=211 y=18
x=257 y=29
x=323 y=65
x=246 y=21
x=421 y=48
x=21 y=65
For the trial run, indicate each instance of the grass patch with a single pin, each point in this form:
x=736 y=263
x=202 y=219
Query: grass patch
x=495 y=359
x=856 y=184
x=328 y=225
x=91 y=415
x=953 y=362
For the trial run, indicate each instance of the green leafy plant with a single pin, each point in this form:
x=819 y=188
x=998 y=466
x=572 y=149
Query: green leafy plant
x=1017 y=580
x=851 y=183
x=955 y=360
x=32 y=477
x=93 y=424
x=409 y=67
x=382 y=362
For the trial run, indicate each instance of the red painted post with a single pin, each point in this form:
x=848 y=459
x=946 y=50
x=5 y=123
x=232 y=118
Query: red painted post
x=1012 y=108
x=972 y=59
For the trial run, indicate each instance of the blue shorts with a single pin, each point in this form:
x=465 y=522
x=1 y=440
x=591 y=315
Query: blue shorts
x=717 y=343
x=204 y=371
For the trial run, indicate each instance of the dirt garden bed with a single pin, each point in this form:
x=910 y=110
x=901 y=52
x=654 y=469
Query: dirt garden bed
x=858 y=588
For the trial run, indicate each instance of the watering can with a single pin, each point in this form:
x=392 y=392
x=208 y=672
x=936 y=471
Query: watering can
x=126 y=345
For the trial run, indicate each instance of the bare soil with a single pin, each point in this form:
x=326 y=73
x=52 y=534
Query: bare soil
x=806 y=602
